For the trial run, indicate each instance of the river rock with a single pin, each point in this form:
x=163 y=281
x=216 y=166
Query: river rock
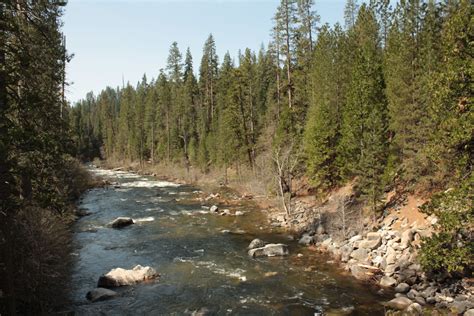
x=355 y=238
x=214 y=209
x=387 y=281
x=119 y=277
x=346 y=251
x=306 y=240
x=239 y=213
x=360 y=254
x=363 y=272
x=399 y=303
x=269 y=250
x=373 y=241
x=414 y=309
x=469 y=312
x=256 y=243
x=407 y=237
x=120 y=222
x=402 y=288
x=100 y=294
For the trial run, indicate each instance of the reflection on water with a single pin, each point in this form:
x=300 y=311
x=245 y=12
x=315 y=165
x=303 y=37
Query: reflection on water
x=202 y=259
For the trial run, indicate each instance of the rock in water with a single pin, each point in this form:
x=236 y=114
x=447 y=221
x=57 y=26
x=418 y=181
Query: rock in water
x=269 y=250
x=214 y=209
x=120 y=222
x=119 y=277
x=256 y=243
x=100 y=294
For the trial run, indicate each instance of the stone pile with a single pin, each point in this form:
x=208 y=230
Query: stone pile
x=388 y=257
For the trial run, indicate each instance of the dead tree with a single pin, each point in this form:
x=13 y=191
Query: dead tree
x=286 y=160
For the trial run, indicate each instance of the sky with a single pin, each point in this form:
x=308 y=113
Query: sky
x=115 y=39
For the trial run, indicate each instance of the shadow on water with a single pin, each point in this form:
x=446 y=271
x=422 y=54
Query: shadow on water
x=202 y=259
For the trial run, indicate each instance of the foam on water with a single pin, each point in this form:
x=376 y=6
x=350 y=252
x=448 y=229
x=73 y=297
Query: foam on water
x=144 y=219
x=149 y=184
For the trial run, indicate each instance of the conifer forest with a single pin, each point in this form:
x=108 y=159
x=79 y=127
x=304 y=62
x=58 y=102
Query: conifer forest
x=382 y=101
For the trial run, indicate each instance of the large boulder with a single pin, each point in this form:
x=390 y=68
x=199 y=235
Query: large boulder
x=269 y=250
x=256 y=243
x=100 y=294
x=399 y=303
x=373 y=241
x=120 y=277
x=120 y=222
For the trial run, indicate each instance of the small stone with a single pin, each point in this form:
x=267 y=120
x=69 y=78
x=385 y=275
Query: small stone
x=412 y=294
x=469 y=312
x=399 y=303
x=120 y=222
x=355 y=238
x=402 y=288
x=420 y=300
x=239 y=213
x=414 y=309
x=214 y=209
x=387 y=281
x=360 y=254
x=256 y=243
x=459 y=307
x=270 y=274
x=299 y=255
x=306 y=240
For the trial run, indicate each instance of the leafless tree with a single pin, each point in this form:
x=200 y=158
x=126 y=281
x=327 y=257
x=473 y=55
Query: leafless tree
x=286 y=159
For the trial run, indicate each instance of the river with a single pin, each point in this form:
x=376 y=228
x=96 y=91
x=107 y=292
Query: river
x=201 y=257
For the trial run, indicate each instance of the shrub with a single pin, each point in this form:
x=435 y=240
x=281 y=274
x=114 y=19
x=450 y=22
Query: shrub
x=451 y=248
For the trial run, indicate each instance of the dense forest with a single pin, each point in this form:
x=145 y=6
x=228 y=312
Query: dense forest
x=39 y=178
x=384 y=100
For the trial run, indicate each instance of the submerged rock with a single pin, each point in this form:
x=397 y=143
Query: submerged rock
x=269 y=250
x=120 y=222
x=100 y=294
x=119 y=277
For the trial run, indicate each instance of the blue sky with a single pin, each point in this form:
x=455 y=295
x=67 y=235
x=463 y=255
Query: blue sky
x=115 y=38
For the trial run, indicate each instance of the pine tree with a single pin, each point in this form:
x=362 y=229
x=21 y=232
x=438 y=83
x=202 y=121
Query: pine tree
x=363 y=134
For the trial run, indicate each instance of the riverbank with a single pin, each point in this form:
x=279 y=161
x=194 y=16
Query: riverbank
x=381 y=251
x=202 y=256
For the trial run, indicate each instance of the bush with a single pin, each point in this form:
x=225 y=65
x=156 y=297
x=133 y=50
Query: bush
x=38 y=246
x=451 y=248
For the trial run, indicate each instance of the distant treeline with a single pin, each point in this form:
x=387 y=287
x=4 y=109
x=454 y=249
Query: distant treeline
x=386 y=97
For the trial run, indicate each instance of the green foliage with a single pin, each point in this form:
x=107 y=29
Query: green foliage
x=451 y=248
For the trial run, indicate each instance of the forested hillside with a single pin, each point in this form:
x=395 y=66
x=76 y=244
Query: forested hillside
x=384 y=99
x=39 y=179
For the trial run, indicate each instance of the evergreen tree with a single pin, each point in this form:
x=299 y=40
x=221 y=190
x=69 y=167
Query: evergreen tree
x=363 y=133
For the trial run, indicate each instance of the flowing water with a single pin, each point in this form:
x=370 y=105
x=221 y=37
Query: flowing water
x=201 y=257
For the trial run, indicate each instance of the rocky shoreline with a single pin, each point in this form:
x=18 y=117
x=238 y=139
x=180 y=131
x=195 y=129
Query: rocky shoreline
x=386 y=255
